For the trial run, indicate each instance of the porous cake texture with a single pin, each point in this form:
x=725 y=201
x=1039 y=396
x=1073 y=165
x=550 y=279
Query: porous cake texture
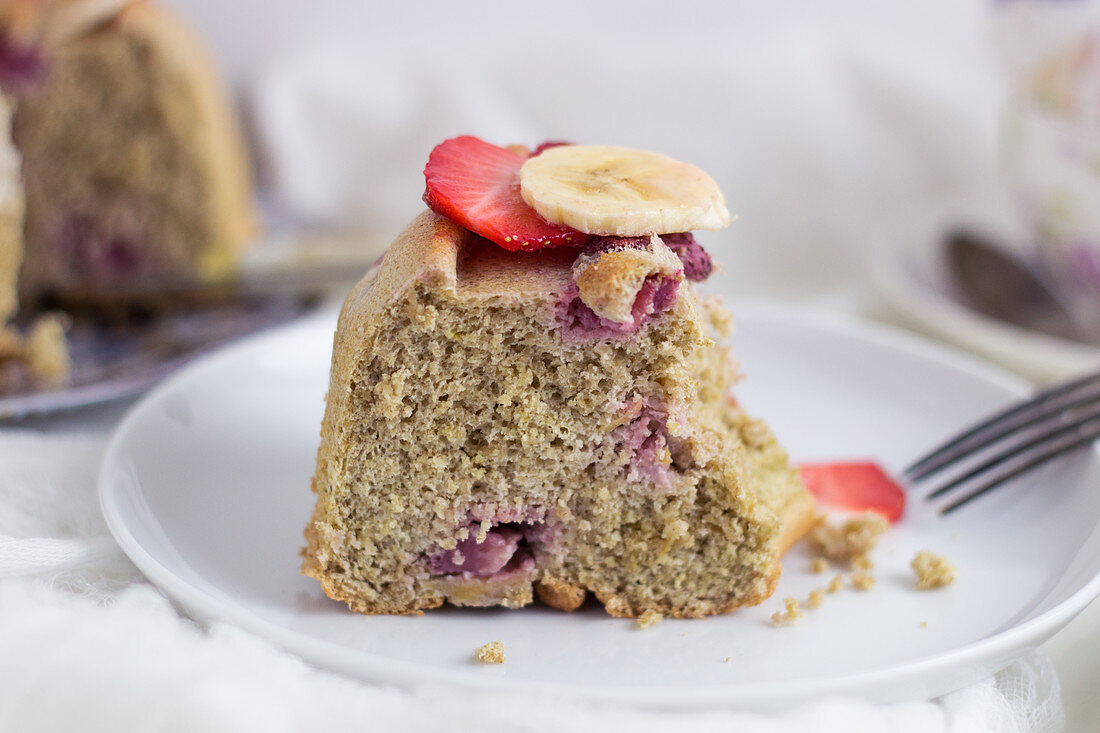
x=499 y=426
x=134 y=168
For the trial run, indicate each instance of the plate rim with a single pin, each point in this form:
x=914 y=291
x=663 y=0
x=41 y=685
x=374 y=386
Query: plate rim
x=994 y=651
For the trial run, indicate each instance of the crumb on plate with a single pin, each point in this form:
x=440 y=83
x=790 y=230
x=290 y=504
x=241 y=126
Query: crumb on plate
x=933 y=571
x=862 y=581
x=816 y=598
x=491 y=653
x=788 y=616
x=852 y=538
x=649 y=618
x=837 y=583
x=819 y=565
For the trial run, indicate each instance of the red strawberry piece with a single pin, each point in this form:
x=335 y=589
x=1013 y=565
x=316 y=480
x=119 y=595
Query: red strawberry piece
x=476 y=185
x=856 y=486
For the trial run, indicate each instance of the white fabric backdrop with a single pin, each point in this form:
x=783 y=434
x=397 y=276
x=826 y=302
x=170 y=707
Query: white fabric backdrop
x=831 y=132
x=833 y=128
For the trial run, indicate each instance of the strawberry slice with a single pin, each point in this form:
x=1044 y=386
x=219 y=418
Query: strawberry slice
x=476 y=185
x=856 y=486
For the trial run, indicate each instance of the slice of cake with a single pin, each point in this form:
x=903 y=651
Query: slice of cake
x=529 y=398
x=135 y=173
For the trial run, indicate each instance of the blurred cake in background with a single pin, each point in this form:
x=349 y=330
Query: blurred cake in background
x=135 y=174
x=38 y=359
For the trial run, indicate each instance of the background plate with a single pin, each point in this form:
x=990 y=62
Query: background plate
x=206 y=487
x=915 y=287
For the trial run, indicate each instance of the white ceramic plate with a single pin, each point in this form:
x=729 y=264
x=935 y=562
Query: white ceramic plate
x=206 y=487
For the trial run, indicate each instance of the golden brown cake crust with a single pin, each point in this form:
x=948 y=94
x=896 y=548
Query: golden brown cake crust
x=799 y=517
x=560 y=595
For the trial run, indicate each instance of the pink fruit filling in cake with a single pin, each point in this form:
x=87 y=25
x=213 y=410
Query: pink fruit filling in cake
x=547 y=145
x=21 y=65
x=505 y=544
x=655 y=454
x=486 y=557
x=655 y=294
x=697 y=263
x=90 y=251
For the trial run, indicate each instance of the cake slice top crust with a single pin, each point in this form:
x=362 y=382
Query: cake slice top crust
x=434 y=250
x=49 y=23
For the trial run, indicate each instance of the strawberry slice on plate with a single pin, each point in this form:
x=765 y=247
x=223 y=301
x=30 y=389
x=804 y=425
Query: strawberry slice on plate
x=857 y=486
x=476 y=185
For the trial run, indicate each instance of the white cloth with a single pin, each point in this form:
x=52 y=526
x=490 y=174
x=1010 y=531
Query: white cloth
x=87 y=645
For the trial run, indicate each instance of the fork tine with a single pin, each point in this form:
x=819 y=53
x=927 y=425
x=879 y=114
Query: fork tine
x=1042 y=406
x=1052 y=450
x=1014 y=450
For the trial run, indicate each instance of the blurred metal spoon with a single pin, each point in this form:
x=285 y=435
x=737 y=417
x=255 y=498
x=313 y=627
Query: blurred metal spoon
x=996 y=284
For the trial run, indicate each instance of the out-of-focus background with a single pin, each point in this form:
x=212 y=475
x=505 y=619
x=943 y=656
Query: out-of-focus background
x=835 y=130
x=847 y=136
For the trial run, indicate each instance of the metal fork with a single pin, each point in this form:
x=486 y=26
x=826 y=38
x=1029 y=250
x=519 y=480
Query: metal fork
x=1054 y=422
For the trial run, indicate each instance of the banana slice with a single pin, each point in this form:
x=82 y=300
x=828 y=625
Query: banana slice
x=611 y=191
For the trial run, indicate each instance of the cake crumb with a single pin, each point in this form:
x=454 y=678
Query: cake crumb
x=862 y=562
x=837 y=583
x=933 y=571
x=854 y=537
x=924 y=624
x=819 y=565
x=649 y=618
x=862 y=581
x=720 y=318
x=491 y=653
x=727 y=659
x=38 y=359
x=816 y=598
x=791 y=614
